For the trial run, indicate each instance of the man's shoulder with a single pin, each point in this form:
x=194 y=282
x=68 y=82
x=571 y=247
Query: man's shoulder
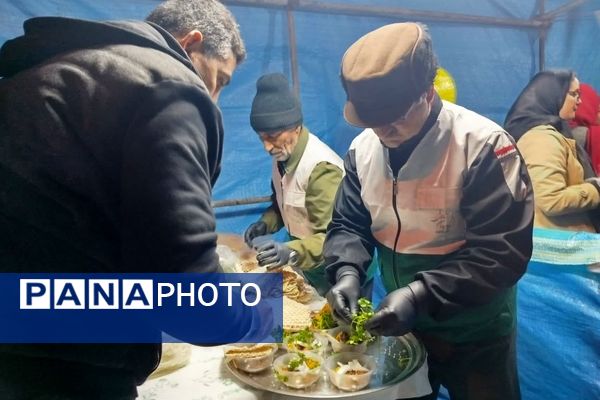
x=366 y=138
x=476 y=120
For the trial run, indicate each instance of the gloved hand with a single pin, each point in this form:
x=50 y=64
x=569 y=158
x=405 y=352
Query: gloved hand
x=343 y=296
x=272 y=254
x=398 y=311
x=254 y=230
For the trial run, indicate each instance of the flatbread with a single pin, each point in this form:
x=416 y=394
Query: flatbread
x=250 y=351
x=296 y=316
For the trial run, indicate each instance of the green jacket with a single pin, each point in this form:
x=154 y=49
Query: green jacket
x=320 y=194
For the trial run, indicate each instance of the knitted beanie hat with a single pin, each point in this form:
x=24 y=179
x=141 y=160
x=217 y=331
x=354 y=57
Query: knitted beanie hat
x=275 y=106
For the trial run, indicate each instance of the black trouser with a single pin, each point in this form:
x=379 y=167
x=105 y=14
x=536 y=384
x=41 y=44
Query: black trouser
x=31 y=378
x=485 y=370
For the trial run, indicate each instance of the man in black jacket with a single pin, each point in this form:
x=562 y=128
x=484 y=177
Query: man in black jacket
x=110 y=143
x=444 y=196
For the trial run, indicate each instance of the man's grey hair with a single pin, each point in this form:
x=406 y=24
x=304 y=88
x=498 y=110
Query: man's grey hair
x=218 y=26
x=425 y=62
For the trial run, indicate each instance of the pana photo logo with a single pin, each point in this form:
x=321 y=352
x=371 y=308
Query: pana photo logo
x=135 y=294
x=140 y=307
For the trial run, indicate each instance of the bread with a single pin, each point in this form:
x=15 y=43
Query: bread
x=296 y=316
x=294 y=286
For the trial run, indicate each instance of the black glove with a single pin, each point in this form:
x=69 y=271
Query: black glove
x=398 y=311
x=254 y=230
x=343 y=296
x=272 y=254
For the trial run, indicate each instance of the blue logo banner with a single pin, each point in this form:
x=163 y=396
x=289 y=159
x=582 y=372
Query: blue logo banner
x=140 y=308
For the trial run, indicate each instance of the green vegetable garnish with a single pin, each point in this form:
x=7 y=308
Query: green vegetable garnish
x=295 y=363
x=323 y=319
x=280 y=377
x=359 y=333
x=403 y=362
x=304 y=336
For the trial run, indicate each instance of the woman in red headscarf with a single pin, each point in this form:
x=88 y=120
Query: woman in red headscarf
x=587 y=117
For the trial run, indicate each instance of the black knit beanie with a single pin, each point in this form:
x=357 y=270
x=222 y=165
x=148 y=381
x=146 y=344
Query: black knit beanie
x=275 y=106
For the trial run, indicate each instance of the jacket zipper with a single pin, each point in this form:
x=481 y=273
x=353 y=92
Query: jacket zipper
x=283 y=205
x=394 y=206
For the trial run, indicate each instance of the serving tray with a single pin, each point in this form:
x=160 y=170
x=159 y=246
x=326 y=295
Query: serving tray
x=396 y=359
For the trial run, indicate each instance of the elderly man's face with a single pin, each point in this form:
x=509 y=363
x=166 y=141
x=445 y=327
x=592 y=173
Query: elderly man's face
x=395 y=133
x=280 y=144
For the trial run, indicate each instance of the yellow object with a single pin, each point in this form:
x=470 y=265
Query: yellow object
x=444 y=85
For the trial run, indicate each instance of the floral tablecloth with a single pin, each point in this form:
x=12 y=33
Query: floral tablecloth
x=204 y=378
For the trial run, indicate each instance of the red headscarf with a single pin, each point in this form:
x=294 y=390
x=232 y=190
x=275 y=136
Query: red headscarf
x=587 y=115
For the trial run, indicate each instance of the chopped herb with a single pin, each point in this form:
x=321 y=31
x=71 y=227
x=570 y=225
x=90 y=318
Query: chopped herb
x=359 y=333
x=324 y=319
x=295 y=363
x=280 y=377
x=304 y=336
x=403 y=362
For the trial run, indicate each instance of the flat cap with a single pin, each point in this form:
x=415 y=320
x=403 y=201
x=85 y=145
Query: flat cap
x=378 y=75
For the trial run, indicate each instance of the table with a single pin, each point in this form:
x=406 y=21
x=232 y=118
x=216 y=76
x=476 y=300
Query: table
x=207 y=378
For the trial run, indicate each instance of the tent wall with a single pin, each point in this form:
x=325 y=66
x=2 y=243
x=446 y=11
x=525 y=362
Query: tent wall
x=490 y=64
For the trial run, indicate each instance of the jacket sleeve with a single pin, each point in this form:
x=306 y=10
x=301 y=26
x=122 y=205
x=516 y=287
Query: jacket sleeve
x=349 y=242
x=547 y=161
x=170 y=158
x=497 y=207
x=271 y=216
x=322 y=186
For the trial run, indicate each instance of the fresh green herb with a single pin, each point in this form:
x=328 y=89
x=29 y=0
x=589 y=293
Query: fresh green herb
x=403 y=362
x=359 y=333
x=295 y=363
x=324 y=319
x=280 y=377
x=304 y=336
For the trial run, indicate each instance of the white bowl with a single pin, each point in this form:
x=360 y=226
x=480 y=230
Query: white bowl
x=338 y=346
x=249 y=363
x=348 y=381
x=297 y=379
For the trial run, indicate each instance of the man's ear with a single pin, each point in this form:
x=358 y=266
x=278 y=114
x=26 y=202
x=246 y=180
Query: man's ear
x=191 y=40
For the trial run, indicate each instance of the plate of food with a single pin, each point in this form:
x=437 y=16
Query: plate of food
x=385 y=361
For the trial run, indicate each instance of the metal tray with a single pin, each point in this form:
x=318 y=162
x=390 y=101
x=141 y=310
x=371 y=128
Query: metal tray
x=397 y=358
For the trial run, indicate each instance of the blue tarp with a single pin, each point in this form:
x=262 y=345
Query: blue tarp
x=558 y=317
x=490 y=65
x=558 y=343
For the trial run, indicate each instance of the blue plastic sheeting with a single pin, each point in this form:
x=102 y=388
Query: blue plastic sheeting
x=490 y=65
x=559 y=332
x=570 y=46
x=559 y=318
x=523 y=9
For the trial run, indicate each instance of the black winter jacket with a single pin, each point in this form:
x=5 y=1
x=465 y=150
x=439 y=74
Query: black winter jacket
x=109 y=147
